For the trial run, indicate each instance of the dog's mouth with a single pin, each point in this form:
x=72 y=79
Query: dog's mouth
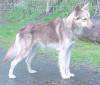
x=78 y=31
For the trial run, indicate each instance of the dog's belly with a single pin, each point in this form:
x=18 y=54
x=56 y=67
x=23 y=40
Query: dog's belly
x=55 y=46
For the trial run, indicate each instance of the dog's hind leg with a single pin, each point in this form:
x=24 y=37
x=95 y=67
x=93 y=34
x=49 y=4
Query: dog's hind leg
x=28 y=62
x=18 y=59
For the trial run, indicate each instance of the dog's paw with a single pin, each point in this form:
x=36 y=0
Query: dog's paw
x=67 y=76
x=71 y=75
x=12 y=76
x=32 y=71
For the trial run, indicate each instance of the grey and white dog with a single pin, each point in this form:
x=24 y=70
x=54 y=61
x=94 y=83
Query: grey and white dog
x=58 y=33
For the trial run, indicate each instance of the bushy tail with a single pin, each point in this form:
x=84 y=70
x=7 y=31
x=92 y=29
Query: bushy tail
x=9 y=54
x=12 y=50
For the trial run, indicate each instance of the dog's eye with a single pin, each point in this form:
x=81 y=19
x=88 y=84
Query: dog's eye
x=84 y=19
x=78 y=18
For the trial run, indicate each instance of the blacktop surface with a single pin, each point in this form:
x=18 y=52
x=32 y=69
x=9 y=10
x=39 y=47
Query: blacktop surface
x=48 y=73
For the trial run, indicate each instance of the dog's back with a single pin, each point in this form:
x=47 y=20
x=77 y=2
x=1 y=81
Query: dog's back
x=43 y=32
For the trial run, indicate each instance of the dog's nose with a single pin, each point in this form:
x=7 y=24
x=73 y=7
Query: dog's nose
x=93 y=26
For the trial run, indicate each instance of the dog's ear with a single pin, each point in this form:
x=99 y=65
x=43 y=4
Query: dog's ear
x=77 y=10
x=86 y=7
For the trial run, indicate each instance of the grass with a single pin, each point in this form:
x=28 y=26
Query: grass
x=87 y=51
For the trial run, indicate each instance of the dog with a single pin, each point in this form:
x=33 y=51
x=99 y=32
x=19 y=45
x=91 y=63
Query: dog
x=58 y=33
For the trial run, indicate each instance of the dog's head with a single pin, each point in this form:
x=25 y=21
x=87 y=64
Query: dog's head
x=82 y=17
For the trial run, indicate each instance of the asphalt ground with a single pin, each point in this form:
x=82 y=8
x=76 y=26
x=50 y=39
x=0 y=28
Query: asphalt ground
x=48 y=72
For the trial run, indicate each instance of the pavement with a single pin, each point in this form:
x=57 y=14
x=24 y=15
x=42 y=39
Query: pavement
x=48 y=72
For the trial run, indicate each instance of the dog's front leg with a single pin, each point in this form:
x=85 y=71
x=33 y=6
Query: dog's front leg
x=64 y=61
x=67 y=60
x=62 y=64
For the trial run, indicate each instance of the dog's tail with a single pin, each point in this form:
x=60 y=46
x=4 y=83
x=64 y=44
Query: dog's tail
x=12 y=51
x=9 y=54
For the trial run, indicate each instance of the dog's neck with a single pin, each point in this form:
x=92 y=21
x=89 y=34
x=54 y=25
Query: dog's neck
x=69 y=25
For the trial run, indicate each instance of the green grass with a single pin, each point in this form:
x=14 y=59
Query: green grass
x=86 y=51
